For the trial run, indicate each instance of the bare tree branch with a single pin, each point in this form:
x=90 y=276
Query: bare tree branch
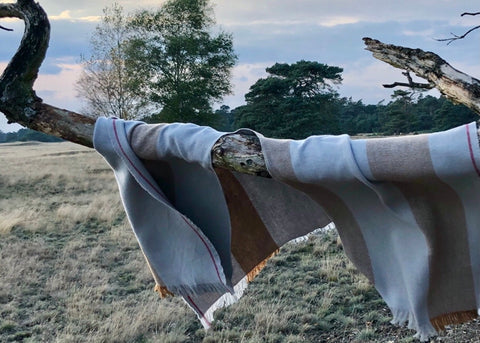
x=452 y=83
x=455 y=37
x=469 y=13
x=410 y=84
x=4 y=28
x=18 y=100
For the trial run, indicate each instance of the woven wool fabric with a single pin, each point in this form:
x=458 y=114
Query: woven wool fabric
x=406 y=209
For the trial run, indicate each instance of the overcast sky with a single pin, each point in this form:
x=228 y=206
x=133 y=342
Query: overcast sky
x=269 y=31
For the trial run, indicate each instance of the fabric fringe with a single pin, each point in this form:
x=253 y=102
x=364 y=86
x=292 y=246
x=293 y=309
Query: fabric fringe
x=225 y=300
x=424 y=332
x=258 y=268
x=198 y=290
x=163 y=291
x=233 y=296
x=440 y=322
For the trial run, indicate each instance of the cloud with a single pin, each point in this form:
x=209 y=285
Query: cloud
x=66 y=15
x=59 y=89
x=55 y=89
x=243 y=76
x=334 y=21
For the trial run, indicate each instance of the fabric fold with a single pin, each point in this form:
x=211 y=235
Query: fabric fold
x=406 y=209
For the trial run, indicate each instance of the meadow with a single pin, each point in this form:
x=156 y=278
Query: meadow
x=71 y=271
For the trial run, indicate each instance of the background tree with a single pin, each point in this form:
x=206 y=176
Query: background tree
x=294 y=101
x=105 y=84
x=180 y=63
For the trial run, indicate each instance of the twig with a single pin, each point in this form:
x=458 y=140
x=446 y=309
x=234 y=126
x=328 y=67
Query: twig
x=410 y=84
x=470 y=13
x=4 y=28
x=455 y=37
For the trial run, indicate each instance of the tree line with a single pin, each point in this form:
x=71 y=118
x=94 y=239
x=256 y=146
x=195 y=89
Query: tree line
x=24 y=135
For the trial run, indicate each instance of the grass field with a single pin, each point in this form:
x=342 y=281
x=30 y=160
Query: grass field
x=71 y=271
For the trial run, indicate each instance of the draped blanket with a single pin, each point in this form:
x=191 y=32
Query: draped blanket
x=406 y=208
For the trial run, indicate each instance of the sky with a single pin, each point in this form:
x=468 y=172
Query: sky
x=270 y=31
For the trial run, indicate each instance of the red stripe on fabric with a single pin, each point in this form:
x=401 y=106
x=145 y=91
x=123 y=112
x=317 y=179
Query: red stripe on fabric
x=162 y=196
x=132 y=164
x=470 y=147
x=199 y=311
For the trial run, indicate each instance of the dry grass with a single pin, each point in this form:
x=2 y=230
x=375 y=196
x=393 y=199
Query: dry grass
x=71 y=271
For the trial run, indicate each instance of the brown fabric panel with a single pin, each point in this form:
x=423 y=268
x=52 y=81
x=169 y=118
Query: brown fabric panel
x=451 y=285
x=251 y=241
x=277 y=157
x=279 y=163
x=143 y=140
x=346 y=224
x=395 y=159
x=273 y=201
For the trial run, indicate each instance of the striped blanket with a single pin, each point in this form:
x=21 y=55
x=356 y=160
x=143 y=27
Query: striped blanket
x=406 y=210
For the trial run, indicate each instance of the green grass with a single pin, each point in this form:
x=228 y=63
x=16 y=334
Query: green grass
x=71 y=271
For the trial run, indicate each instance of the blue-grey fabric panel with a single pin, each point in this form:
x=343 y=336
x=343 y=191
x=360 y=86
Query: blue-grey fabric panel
x=331 y=162
x=181 y=255
x=189 y=142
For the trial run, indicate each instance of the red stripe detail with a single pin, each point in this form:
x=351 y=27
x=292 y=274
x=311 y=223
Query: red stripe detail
x=162 y=196
x=133 y=165
x=470 y=147
x=198 y=310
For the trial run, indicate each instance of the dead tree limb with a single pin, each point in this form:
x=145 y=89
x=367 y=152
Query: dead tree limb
x=410 y=84
x=5 y=28
x=18 y=100
x=452 y=83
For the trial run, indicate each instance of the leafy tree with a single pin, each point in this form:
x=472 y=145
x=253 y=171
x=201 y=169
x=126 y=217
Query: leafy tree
x=180 y=63
x=399 y=117
x=449 y=115
x=356 y=117
x=105 y=83
x=225 y=118
x=294 y=101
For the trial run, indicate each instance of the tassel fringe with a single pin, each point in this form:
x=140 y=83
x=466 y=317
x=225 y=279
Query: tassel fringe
x=440 y=322
x=163 y=291
x=258 y=268
x=424 y=331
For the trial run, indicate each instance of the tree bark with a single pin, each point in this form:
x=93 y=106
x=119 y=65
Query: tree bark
x=238 y=151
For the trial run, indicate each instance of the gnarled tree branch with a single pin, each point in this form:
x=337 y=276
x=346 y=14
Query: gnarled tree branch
x=5 y=28
x=410 y=84
x=18 y=100
x=452 y=83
